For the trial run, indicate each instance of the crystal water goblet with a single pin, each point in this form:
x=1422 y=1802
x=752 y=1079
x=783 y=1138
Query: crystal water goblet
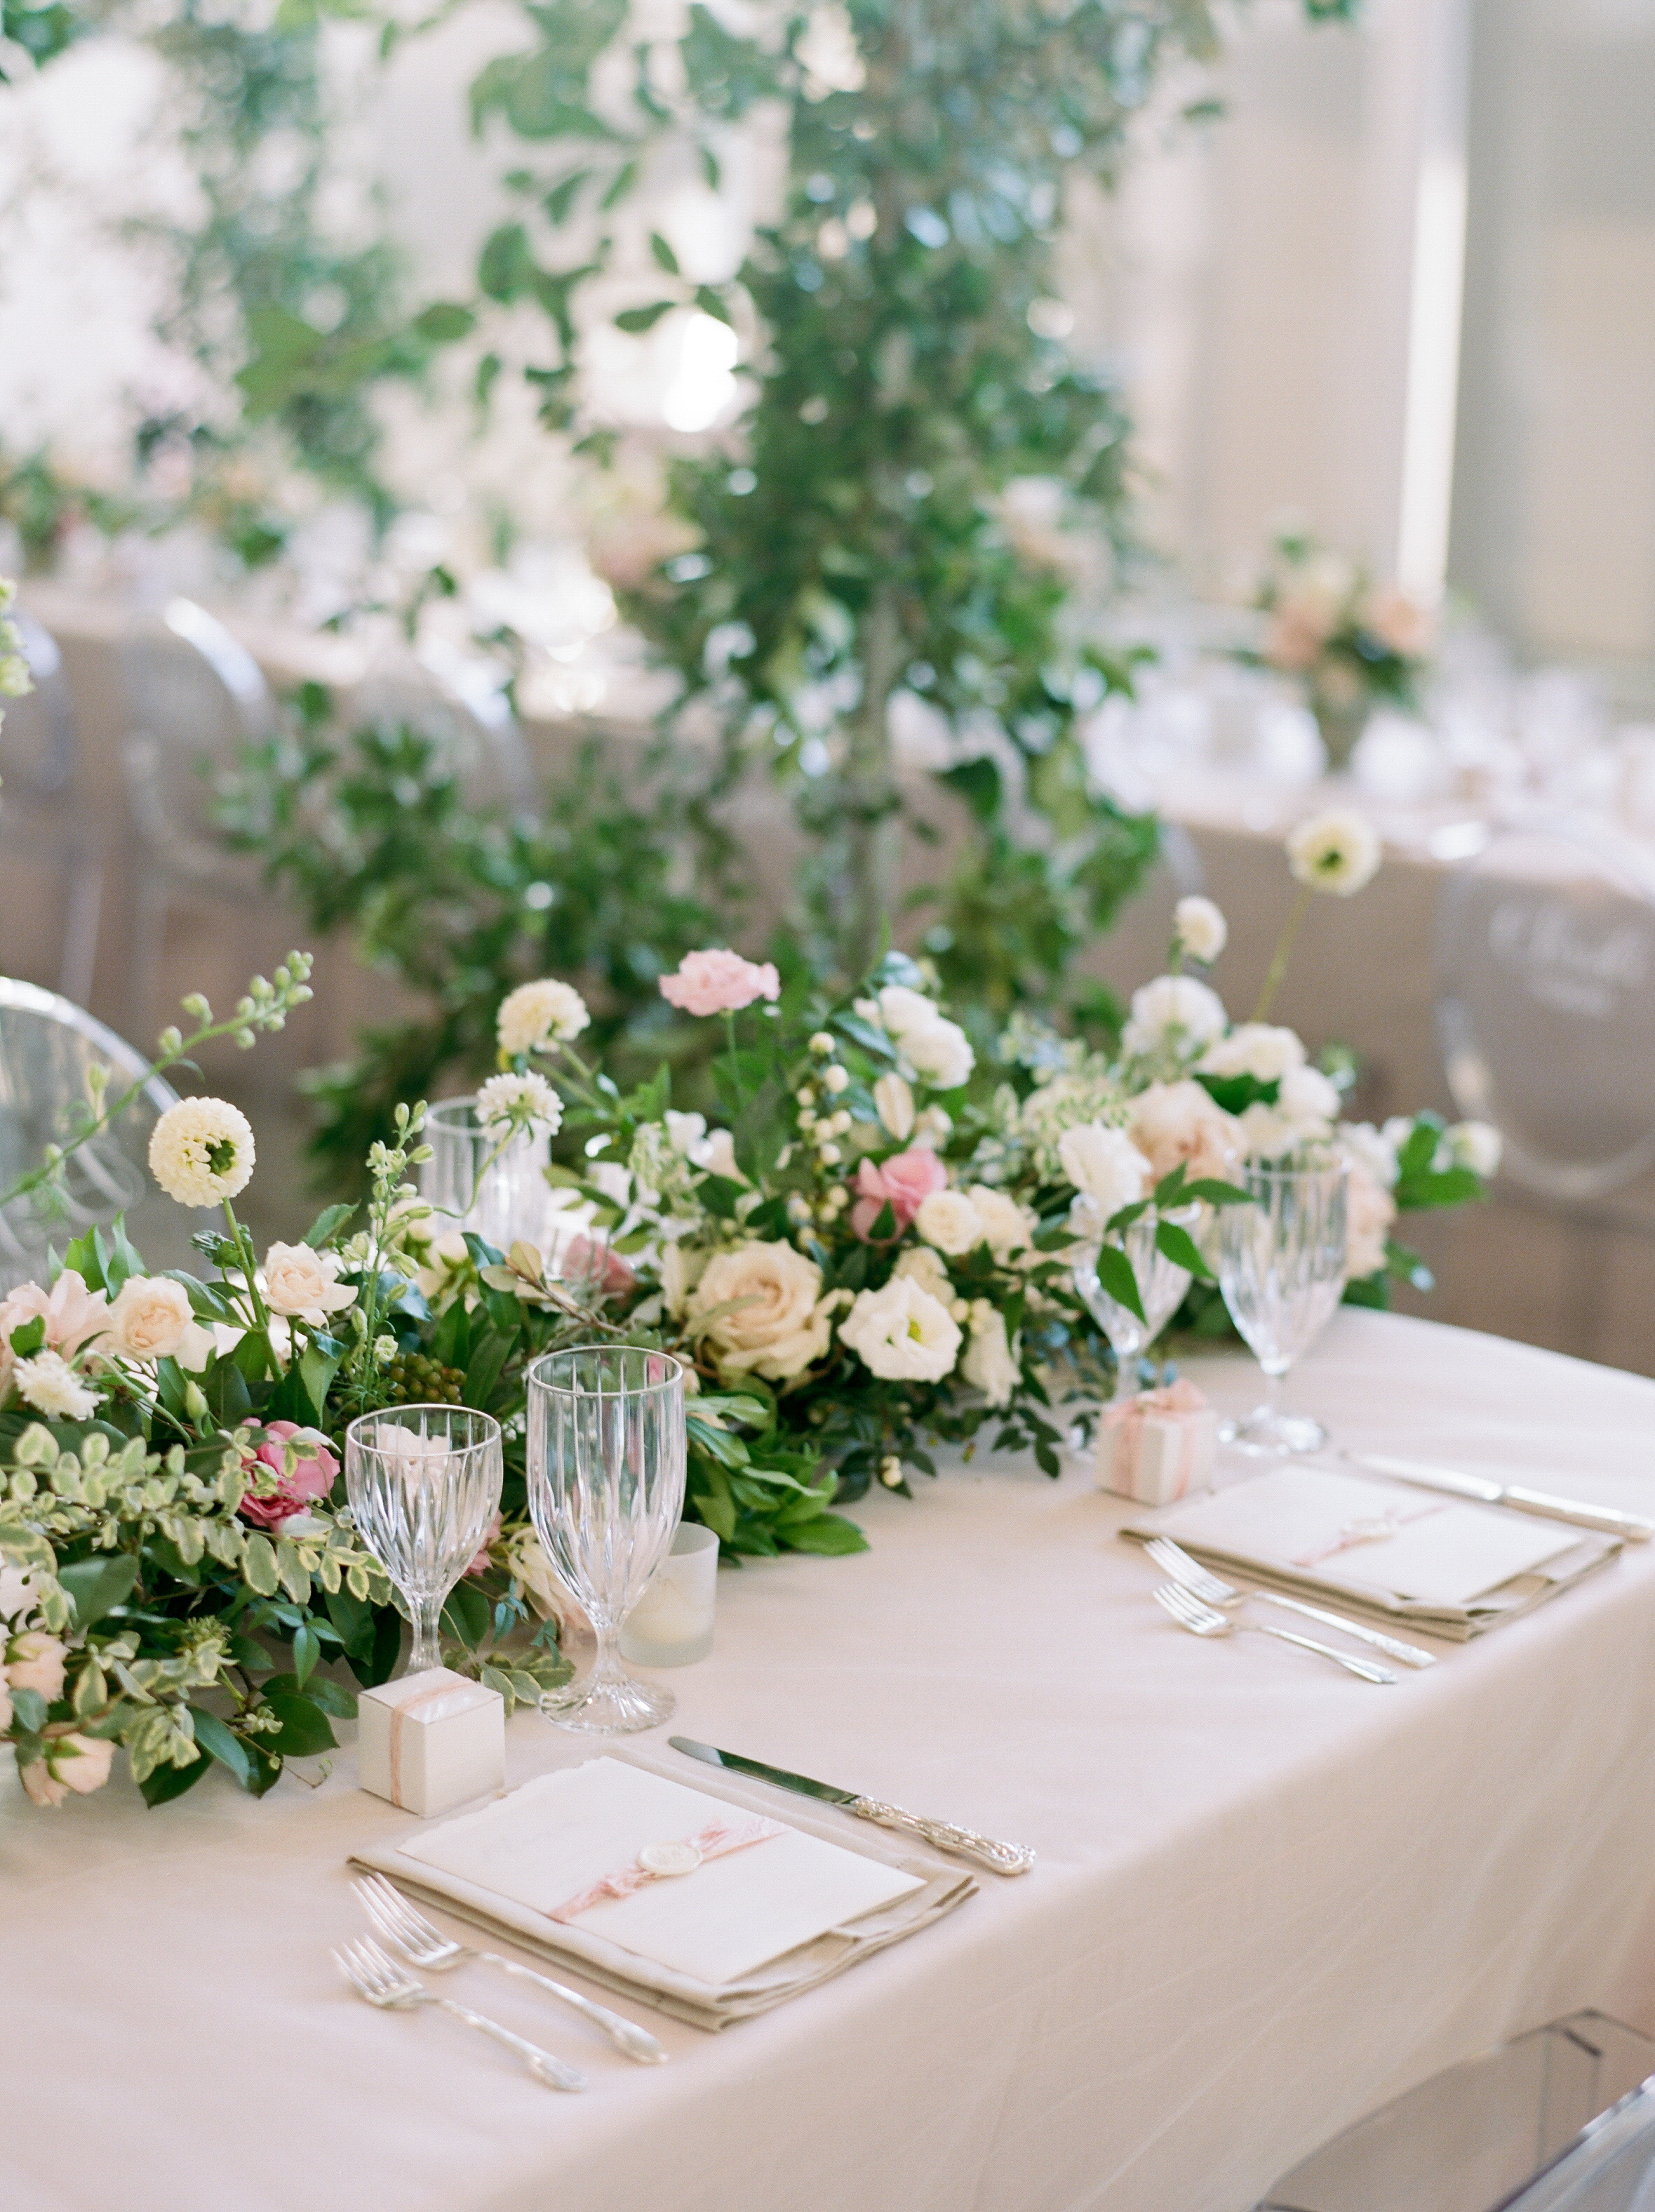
x=1281 y=1269
x=497 y=1191
x=424 y=1485
x=1161 y=1284
x=606 y=1488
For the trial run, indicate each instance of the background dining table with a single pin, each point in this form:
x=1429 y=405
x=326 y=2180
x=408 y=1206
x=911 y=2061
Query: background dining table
x=1268 y=1897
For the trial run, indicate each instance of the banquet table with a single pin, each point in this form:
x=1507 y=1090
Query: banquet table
x=1267 y=1896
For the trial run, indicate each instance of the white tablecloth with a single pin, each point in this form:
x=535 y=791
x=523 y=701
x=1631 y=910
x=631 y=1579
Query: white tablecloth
x=1268 y=1897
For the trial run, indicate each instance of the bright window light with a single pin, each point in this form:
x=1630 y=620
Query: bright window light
x=702 y=384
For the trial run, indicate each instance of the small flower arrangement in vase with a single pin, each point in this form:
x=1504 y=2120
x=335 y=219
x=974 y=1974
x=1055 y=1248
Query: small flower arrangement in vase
x=1353 y=644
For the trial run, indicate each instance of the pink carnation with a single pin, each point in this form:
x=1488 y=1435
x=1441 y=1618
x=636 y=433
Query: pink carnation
x=720 y=982
x=594 y=1269
x=903 y=1183
x=312 y=1476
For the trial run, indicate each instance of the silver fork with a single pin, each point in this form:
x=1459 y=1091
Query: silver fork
x=407 y=1930
x=1203 y=1620
x=375 y=1979
x=1172 y=1559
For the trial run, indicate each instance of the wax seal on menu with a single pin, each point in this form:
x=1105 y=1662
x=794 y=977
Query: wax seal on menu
x=669 y=1858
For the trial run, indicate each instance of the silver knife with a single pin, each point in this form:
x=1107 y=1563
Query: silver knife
x=998 y=1858
x=1607 y=1519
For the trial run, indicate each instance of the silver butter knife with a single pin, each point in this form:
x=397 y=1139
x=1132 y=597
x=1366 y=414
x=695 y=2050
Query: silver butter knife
x=942 y=1835
x=1609 y=1520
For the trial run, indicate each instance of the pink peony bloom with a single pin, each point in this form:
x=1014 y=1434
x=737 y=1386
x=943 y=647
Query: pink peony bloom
x=903 y=1183
x=593 y=1269
x=720 y=982
x=313 y=1472
x=490 y=1536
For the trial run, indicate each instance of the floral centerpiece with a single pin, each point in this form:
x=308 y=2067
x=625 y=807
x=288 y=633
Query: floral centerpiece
x=1355 y=645
x=875 y=1253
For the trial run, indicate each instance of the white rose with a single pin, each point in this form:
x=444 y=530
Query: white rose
x=301 y=1282
x=1179 y=1122
x=81 y=1763
x=921 y=1265
x=894 y=1103
x=35 y=1661
x=902 y=1333
x=1309 y=1098
x=779 y=1321
x=940 y=1052
x=990 y=1362
x=1175 y=1011
x=1200 y=928
x=1369 y=1212
x=948 y=1219
x=150 y=1319
x=50 y=1385
x=1104 y=1165
x=1255 y=1049
x=1369 y=1147
x=1476 y=1145
x=1008 y=1227
x=901 y=1010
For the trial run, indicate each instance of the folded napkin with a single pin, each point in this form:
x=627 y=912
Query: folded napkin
x=774 y=1906
x=1452 y=1568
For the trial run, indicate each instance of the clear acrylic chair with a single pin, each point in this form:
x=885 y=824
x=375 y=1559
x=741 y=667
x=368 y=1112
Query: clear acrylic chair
x=43 y=825
x=1484 y=2137
x=1546 y=1004
x=47 y=1046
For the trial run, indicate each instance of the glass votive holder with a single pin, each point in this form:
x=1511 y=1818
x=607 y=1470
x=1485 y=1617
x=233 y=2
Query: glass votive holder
x=671 y=1625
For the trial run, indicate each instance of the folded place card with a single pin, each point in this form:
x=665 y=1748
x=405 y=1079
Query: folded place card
x=1454 y=1567
x=712 y=1903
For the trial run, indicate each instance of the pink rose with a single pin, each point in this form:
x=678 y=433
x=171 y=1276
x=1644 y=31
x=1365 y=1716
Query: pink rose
x=313 y=1474
x=720 y=982
x=74 y=1316
x=491 y=1535
x=593 y=1269
x=903 y=1183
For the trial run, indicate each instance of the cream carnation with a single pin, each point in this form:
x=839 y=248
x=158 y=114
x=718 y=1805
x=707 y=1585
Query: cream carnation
x=50 y=1385
x=1175 y=1011
x=1178 y=1121
x=901 y=1333
x=1200 y=928
x=1337 y=853
x=948 y=1219
x=1254 y=1048
x=201 y=1151
x=522 y=1099
x=989 y=1364
x=150 y=1319
x=301 y=1283
x=778 y=1322
x=1105 y=1166
x=535 y=1015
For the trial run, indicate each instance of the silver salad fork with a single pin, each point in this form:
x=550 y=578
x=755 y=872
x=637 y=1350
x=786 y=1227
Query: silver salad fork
x=1203 y=1620
x=1172 y=1559
x=378 y=1982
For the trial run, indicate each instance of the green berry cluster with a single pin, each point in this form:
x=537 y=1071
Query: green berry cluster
x=411 y=1379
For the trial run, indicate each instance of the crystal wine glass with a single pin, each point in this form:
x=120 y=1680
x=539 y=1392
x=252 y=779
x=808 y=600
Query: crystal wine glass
x=1281 y=1268
x=1161 y=1284
x=499 y=1192
x=424 y=1485
x=606 y=1487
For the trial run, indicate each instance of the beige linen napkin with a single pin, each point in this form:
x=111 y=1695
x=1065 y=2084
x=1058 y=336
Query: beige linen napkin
x=877 y=1898
x=1452 y=1568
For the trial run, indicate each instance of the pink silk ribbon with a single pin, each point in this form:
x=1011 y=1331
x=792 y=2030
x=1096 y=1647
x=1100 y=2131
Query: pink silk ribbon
x=1174 y=1401
x=716 y=1841
x=399 y=1721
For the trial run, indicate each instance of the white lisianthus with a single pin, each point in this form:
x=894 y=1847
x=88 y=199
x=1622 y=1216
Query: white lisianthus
x=1255 y=1049
x=1337 y=853
x=1200 y=928
x=1475 y=1144
x=50 y=1385
x=301 y=1282
x=921 y=1265
x=687 y=1134
x=201 y=1151
x=894 y=1103
x=1370 y=1148
x=150 y=1319
x=775 y=1321
x=1007 y=1225
x=1103 y=1166
x=989 y=1364
x=721 y=1157
x=1175 y=1011
x=902 y=1333
x=948 y=1219
x=527 y=1100
x=537 y=1014
x=1309 y=1098
x=940 y=1054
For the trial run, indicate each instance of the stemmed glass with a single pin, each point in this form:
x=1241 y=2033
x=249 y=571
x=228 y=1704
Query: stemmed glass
x=499 y=1192
x=606 y=1488
x=424 y=1485
x=1281 y=1268
x=1161 y=1284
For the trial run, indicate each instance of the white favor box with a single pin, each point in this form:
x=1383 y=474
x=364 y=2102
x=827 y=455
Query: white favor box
x=431 y=1740
x=1157 y=1452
